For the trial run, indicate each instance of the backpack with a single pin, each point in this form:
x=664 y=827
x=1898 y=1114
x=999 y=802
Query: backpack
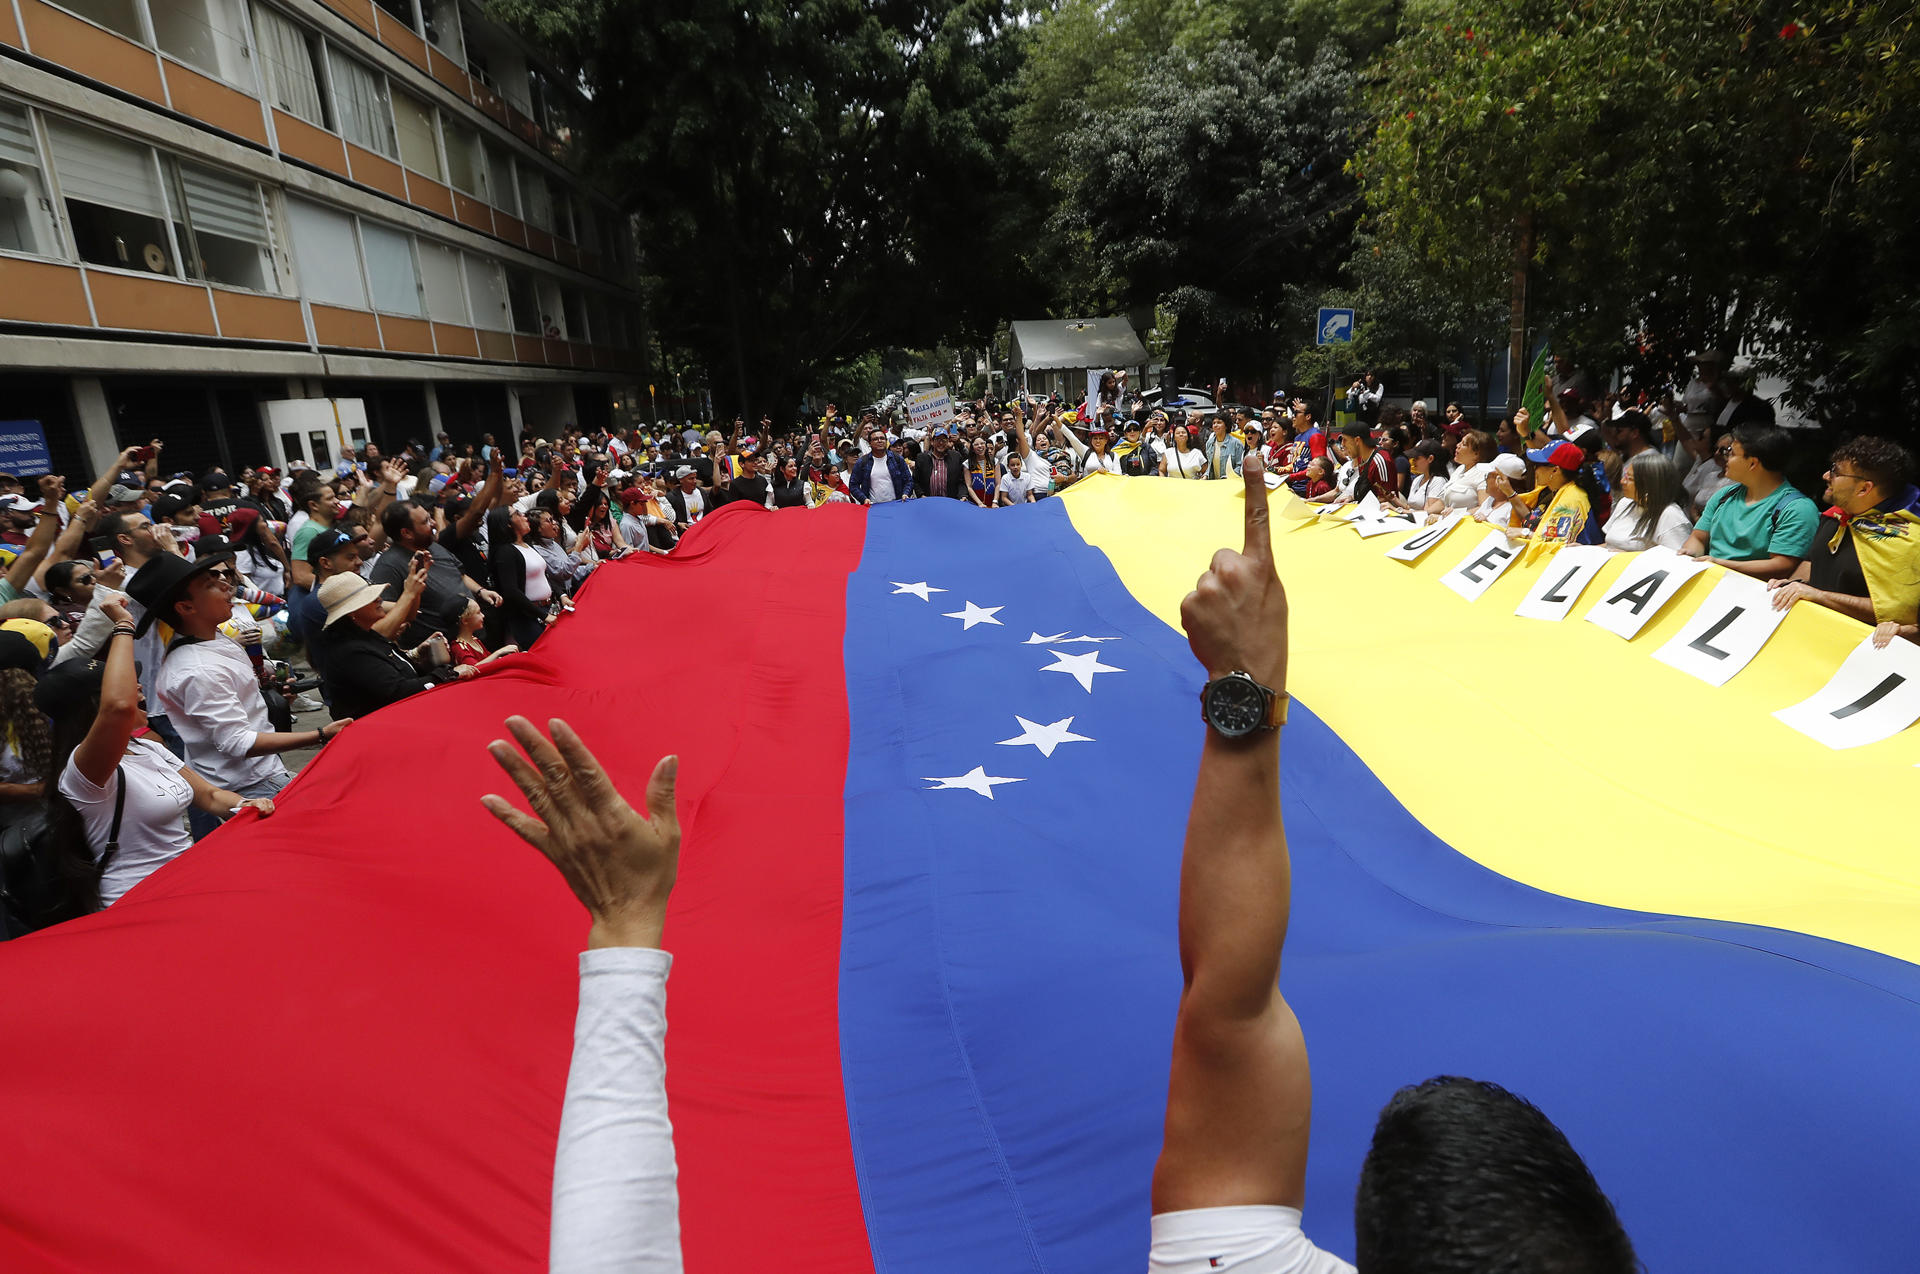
x=33 y=890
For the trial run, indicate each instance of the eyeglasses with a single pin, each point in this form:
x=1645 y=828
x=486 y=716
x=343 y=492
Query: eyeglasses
x=221 y=573
x=1723 y=452
x=1835 y=473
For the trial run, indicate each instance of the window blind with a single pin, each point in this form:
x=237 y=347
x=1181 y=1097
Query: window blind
x=440 y=272
x=16 y=139
x=99 y=169
x=487 y=286
x=223 y=205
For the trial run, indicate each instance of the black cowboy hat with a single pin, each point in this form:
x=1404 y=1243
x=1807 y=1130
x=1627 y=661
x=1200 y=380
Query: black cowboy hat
x=163 y=581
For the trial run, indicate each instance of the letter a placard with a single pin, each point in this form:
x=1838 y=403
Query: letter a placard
x=1640 y=591
x=1477 y=571
x=1874 y=696
x=1558 y=588
x=1726 y=632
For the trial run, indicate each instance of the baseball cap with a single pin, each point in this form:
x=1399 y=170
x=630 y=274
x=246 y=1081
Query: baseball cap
x=19 y=504
x=1561 y=455
x=328 y=541
x=1509 y=464
x=632 y=495
x=683 y=471
x=215 y=480
x=120 y=493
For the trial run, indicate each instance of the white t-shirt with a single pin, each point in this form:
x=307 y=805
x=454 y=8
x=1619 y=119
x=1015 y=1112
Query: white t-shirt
x=1497 y=513
x=1019 y=490
x=153 y=829
x=1191 y=463
x=1424 y=489
x=1098 y=462
x=880 y=482
x=1466 y=487
x=539 y=588
x=1241 y=1240
x=1671 y=532
x=212 y=698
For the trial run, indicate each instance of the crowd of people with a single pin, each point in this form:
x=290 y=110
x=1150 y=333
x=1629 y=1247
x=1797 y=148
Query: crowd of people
x=390 y=574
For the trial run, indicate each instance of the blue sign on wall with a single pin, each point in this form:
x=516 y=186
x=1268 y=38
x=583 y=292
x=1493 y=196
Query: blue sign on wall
x=1335 y=327
x=23 y=448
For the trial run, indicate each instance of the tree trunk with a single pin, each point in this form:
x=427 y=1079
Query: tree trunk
x=1517 y=330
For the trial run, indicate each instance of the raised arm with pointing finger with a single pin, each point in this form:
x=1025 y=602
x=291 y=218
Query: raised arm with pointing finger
x=1462 y=1175
x=616 y=1203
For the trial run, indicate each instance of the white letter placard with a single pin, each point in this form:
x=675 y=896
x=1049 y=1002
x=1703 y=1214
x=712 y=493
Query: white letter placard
x=1726 y=632
x=1415 y=547
x=1477 y=571
x=1568 y=572
x=1642 y=590
x=1874 y=696
x=1384 y=524
x=1369 y=507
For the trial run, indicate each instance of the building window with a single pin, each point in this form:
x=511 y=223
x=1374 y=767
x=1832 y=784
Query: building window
x=120 y=16
x=402 y=10
x=360 y=99
x=290 y=56
x=26 y=213
x=466 y=164
x=537 y=200
x=114 y=201
x=418 y=149
x=553 y=315
x=487 y=288
x=325 y=256
x=440 y=280
x=576 y=311
x=501 y=192
x=225 y=233
x=396 y=284
x=562 y=212
x=443 y=29
x=209 y=35
x=526 y=306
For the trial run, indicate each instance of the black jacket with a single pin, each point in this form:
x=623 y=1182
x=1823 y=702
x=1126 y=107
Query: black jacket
x=956 y=473
x=365 y=671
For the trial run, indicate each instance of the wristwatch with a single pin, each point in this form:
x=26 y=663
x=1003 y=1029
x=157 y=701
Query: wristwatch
x=1236 y=705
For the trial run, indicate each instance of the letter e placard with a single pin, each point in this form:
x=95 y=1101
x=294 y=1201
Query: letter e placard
x=1477 y=571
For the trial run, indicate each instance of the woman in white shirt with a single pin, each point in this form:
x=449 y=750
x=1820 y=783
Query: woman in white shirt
x=1466 y=485
x=1651 y=511
x=1499 y=508
x=100 y=743
x=1427 y=464
x=1183 y=459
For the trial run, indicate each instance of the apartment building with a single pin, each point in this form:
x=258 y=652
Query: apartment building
x=265 y=230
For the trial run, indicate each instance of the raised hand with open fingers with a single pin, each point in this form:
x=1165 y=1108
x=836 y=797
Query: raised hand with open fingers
x=619 y=863
x=1236 y=616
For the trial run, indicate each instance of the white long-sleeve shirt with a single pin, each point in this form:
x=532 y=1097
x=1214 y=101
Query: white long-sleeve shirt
x=210 y=694
x=616 y=1194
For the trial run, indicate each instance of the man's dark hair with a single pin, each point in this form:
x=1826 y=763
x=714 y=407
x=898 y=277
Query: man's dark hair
x=108 y=530
x=1638 y=422
x=1887 y=464
x=1464 y=1177
x=397 y=518
x=1771 y=445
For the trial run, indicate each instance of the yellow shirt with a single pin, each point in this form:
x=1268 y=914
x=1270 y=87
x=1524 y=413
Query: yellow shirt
x=1566 y=515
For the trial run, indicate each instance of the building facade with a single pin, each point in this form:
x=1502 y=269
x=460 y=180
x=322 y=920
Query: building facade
x=210 y=208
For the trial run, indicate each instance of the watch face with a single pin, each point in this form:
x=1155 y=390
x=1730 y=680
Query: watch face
x=1235 y=706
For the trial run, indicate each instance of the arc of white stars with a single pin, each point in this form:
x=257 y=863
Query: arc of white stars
x=1082 y=668
x=975 y=780
x=974 y=615
x=919 y=590
x=1045 y=737
x=1061 y=639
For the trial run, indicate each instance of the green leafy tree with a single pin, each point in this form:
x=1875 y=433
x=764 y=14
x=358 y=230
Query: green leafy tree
x=1217 y=186
x=810 y=181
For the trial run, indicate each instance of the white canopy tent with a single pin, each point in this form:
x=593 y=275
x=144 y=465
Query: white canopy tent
x=1069 y=345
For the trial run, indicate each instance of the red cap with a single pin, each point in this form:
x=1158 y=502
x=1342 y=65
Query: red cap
x=632 y=494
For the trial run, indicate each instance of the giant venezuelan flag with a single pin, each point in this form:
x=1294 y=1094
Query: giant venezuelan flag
x=935 y=766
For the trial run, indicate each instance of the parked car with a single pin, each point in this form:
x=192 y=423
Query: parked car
x=1186 y=398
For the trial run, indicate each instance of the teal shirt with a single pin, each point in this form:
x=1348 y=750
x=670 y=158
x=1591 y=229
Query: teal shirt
x=1782 y=523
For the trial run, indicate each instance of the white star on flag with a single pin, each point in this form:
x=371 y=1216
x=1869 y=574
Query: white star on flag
x=1045 y=737
x=919 y=590
x=975 y=615
x=1082 y=668
x=1061 y=639
x=975 y=780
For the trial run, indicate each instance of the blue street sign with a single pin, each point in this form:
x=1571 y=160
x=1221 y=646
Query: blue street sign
x=1335 y=328
x=23 y=448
